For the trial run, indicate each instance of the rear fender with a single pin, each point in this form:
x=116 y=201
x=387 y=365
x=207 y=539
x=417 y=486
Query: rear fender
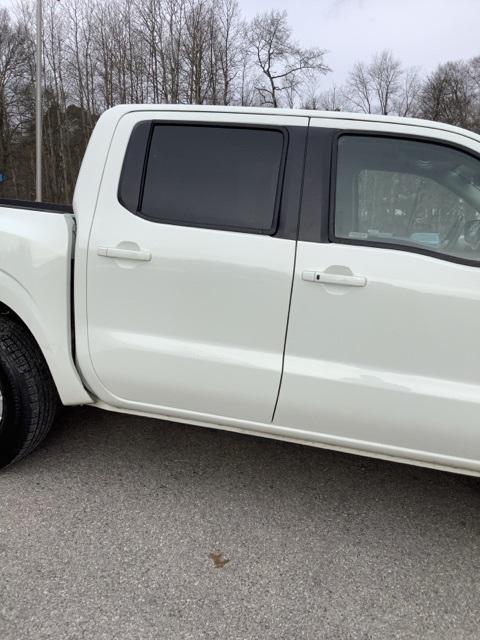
x=35 y=275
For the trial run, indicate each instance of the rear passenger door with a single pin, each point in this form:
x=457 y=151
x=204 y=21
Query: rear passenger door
x=383 y=348
x=190 y=262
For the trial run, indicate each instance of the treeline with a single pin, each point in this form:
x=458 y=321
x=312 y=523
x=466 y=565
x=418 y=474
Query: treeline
x=98 y=53
x=450 y=94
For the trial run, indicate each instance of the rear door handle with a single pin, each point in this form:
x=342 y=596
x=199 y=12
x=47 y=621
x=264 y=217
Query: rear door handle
x=324 y=277
x=124 y=254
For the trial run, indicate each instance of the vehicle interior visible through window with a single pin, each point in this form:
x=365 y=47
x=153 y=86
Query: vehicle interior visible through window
x=410 y=193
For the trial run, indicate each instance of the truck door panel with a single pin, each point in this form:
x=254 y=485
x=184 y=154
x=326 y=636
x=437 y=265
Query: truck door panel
x=189 y=284
x=382 y=347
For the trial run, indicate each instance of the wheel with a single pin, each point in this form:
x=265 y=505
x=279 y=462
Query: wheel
x=28 y=397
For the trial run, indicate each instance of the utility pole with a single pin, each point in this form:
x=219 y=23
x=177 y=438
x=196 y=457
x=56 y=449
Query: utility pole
x=38 y=105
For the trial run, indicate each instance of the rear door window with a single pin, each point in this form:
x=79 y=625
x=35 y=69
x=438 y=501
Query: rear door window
x=221 y=177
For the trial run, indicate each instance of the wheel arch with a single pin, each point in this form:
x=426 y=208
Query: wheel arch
x=58 y=357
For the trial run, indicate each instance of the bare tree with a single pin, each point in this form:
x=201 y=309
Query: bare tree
x=450 y=95
x=229 y=45
x=332 y=99
x=374 y=87
x=475 y=74
x=14 y=79
x=385 y=74
x=359 y=92
x=282 y=63
x=406 y=100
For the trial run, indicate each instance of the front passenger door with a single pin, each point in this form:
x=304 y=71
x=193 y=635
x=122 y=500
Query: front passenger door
x=383 y=347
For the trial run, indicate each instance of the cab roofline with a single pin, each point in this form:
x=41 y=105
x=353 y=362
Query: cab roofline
x=342 y=116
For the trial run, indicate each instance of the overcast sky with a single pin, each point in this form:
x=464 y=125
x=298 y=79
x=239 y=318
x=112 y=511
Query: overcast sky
x=420 y=32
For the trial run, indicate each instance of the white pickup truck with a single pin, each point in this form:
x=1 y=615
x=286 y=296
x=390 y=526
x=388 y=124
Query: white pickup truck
x=311 y=277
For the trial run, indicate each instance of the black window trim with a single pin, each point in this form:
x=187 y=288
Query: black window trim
x=272 y=231
x=31 y=205
x=374 y=243
x=316 y=185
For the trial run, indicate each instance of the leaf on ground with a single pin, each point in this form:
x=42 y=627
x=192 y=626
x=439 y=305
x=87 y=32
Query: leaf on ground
x=218 y=560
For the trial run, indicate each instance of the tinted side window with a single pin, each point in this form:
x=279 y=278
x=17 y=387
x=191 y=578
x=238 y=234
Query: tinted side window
x=214 y=176
x=403 y=192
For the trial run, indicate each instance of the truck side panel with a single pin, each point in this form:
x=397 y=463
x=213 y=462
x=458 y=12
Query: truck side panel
x=35 y=275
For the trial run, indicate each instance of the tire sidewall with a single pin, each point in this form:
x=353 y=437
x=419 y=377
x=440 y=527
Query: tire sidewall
x=16 y=415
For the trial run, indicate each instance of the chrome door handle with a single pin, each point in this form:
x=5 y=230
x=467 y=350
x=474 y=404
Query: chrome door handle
x=324 y=277
x=124 y=254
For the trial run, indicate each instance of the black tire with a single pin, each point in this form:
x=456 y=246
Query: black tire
x=29 y=395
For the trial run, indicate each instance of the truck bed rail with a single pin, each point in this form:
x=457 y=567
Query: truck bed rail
x=32 y=206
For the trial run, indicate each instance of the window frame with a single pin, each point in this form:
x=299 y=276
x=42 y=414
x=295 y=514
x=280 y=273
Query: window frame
x=136 y=191
x=333 y=238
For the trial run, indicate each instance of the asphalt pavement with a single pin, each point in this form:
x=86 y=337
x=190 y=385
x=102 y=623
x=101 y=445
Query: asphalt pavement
x=124 y=528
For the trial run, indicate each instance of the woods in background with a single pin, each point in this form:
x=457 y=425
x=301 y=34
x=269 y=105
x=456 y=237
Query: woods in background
x=99 y=53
